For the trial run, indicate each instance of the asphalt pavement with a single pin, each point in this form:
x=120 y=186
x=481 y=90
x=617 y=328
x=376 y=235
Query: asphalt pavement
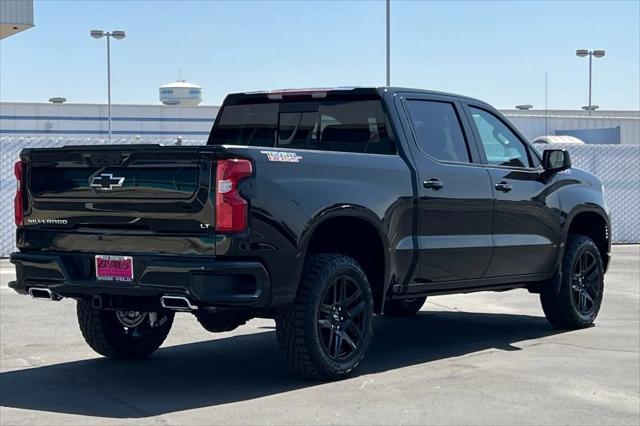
x=483 y=358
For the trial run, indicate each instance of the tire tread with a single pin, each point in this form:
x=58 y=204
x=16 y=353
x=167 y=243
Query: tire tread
x=96 y=333
x=293 y=329
x=556 y=302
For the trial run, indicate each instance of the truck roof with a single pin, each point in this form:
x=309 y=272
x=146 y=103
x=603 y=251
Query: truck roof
x=322 y=92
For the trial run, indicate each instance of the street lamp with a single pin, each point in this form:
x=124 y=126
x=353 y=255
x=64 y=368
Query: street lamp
x=388 y=42
x=118 y=35
x=590 y=53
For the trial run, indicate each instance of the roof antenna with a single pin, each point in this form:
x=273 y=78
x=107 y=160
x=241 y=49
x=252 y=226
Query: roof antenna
x=546 y=102
x=179 y=75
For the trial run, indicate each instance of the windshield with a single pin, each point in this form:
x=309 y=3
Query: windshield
x=346 y=126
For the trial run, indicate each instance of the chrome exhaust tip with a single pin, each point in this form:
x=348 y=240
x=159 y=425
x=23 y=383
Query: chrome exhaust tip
x=43 y=293
x=177 y=303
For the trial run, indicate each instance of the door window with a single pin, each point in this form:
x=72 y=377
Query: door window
x=438 y=130
x=501 y=146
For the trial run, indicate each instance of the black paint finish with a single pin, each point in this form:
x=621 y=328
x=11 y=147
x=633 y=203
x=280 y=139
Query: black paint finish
x=444 y=227
x=455 y=209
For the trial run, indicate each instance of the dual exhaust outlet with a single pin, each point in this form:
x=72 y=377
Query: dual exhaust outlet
x=174 y=303
x=177 y=303
x=43 y=293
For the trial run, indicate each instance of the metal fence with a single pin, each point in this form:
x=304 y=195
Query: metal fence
x=618 y=166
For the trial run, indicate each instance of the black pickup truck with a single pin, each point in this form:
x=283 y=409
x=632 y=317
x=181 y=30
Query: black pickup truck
x=318 y=208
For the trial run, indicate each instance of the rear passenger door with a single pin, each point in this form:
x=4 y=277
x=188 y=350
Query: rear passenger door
x=526 y=218
x=455 y=204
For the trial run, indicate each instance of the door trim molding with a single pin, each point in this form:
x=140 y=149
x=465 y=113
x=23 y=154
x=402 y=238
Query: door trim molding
x=435 y=242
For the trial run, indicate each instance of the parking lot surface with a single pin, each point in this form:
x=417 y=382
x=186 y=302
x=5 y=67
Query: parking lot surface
x=483 y=358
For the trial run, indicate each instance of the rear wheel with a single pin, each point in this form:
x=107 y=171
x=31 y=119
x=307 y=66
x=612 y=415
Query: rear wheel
x=327 y=330
x=576 y=302
x=404 y=307
x=123 y=334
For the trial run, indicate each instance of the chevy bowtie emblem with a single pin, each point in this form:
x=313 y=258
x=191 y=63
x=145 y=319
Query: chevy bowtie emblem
x=106 y=182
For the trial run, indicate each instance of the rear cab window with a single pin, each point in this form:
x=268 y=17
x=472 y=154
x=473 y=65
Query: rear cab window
x=334 y=123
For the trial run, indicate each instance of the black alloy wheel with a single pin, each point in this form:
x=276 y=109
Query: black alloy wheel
x=327 y=330
x=572 y=299
x=341 y=318
x=585 y=284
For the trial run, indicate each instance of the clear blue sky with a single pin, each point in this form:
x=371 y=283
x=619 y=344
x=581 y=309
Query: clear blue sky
x=496 y=51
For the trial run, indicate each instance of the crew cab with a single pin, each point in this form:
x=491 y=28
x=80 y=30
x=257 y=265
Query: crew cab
x=318 y=208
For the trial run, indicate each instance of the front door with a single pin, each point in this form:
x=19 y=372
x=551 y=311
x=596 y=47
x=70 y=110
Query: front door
x=526 y=217
x=455 y=205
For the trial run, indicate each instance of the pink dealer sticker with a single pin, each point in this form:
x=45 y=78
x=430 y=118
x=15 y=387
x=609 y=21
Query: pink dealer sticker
x=114 y=268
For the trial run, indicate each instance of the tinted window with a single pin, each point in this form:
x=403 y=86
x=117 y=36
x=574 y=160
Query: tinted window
x=501 y=145
x=253 y=125
x=347 y=126
x=438 y=130
x=297 y=129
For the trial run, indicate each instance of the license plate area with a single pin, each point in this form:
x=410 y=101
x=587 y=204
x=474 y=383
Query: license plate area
x=114 y=268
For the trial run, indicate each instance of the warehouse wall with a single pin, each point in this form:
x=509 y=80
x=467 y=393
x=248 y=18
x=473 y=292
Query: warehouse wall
x=534 y=125
x=87 y=120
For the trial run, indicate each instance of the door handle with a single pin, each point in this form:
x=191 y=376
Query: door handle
x=434 y=184
x=504 y=187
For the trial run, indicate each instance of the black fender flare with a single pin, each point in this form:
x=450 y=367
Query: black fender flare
x=556 y=280
x=355 y=211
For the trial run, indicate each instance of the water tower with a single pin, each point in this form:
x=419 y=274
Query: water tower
x=181 y=93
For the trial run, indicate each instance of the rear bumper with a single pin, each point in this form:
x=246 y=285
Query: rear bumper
x=204 y=281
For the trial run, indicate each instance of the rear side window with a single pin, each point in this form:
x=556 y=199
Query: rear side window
x=253 y=125
x=437 y=128
x=344 y=126
x=501 y=146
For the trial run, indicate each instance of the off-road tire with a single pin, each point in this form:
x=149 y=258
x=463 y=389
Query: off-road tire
x=105 y=334
x=558 y=300
x=404 y=307
x=297 y=329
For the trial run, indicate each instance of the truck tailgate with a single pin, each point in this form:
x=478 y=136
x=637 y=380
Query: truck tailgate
x=115 y=193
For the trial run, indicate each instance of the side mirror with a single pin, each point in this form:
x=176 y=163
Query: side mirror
x=556 y=160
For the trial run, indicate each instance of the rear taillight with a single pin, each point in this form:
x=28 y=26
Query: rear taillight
x=231 y=208
x=17 y=201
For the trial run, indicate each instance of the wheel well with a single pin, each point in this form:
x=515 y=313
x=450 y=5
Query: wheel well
x=593 y=226
x=358 y=239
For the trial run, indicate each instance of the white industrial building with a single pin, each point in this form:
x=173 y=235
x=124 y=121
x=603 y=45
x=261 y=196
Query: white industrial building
x=91 y=120
x=15 y=16
x=602 y=127
x=194 y=122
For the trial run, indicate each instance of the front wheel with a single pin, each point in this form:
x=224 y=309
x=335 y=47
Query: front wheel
x=327 y=330
x=123 y=334
x=575 y=303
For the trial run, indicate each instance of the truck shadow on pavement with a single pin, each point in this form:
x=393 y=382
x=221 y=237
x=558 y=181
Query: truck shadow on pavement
x=245 y=367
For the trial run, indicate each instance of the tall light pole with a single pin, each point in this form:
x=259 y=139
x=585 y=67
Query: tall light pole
x=590 y=53
x=388 y=42
x=118 y=35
